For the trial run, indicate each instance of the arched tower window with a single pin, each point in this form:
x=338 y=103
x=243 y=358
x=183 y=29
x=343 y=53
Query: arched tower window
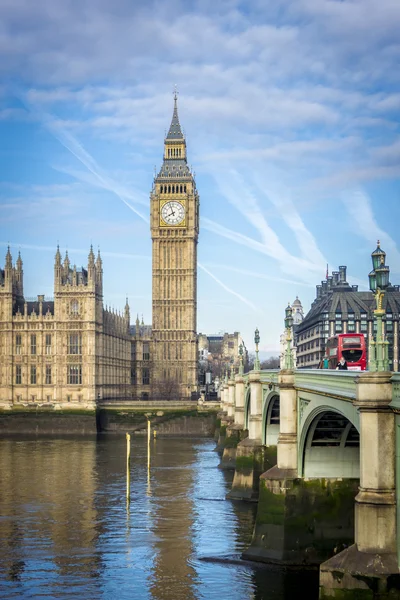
x=74 y=307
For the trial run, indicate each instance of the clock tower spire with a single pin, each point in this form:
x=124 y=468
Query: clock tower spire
x=174 y=222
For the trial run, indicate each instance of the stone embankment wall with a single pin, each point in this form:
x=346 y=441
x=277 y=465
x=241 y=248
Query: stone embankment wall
x=166 y=422
x=173 y=420
x=40 y=422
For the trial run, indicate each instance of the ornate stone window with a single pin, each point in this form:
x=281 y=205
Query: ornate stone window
x=74 y=375
x=75 y=343
x=74 y=307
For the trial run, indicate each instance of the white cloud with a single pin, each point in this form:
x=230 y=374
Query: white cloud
x=359 y=207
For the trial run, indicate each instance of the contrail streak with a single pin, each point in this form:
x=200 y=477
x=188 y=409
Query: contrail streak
x=77 y=150
x=227 y=289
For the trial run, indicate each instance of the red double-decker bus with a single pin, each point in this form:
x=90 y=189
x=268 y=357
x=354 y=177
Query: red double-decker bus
x=349 y=345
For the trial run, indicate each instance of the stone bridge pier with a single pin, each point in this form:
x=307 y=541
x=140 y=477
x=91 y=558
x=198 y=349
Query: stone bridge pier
x=369 y=568
x=322 y=459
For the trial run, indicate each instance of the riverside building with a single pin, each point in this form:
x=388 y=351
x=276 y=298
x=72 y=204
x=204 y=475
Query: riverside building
x=341 y=308
x=70 y=349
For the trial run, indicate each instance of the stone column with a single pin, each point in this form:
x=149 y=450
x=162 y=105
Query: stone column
x=239 y=401
x=231 y=398
x=250 y=451
x=223 y=398
x=375 y=502
x=287 y=439
x=255 y=420
x=372 y=561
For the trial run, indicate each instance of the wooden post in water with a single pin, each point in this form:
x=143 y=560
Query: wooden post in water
x=148 y=442
x=128 y=464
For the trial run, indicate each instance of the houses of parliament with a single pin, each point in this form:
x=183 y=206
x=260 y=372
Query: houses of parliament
x=71 y=350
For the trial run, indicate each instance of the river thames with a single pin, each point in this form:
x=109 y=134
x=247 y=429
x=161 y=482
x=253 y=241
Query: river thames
x=67 y=530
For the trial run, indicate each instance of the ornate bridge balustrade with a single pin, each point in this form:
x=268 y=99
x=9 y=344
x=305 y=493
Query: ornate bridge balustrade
x=321 y=455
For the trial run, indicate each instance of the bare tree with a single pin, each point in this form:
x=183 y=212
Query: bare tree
x=271 y=363
x=166 y=389
x=249 y=366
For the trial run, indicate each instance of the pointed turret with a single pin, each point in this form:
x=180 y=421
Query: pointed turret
x=57 y=258
x=99 y=274
x=175 y=131
x=57 y=268
x=99 y=262
x=8 y=270
x=137 y=329
x=174 y=164
x=8 y=259
x=91 y=256
x=66 y=261
x=91 y=265
x=19 y=274
x=127 y=313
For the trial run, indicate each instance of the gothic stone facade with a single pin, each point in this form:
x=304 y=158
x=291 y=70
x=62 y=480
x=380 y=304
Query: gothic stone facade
x=174 y=222
x=70 y=350
x=64 y=352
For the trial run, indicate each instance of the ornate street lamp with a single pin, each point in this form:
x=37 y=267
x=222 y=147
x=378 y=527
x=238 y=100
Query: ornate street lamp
x=232 y=369
x=288 y=362
x=241 y=359
x=378 y=359
x=256 y=341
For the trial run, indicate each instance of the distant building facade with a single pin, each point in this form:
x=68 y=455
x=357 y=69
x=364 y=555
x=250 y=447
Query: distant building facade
x=216 y=351
x=340 y=308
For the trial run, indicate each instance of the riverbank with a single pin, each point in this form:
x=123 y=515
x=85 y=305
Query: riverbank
x=166 y=419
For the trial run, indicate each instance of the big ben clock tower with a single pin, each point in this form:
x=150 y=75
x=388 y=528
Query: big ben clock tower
x=174 y=222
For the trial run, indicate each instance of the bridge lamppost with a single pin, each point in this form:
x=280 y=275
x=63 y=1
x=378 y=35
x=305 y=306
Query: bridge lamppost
x=288 y=362
x=232 y=375
x=241 y=359
x=256 y=341
x=378 y=359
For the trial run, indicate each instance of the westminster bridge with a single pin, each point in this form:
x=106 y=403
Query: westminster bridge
x=319 y=451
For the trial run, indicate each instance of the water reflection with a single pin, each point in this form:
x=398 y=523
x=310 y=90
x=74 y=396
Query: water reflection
x=67 y=529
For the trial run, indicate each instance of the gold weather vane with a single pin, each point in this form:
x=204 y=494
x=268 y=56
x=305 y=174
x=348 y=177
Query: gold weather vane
x=176 y=92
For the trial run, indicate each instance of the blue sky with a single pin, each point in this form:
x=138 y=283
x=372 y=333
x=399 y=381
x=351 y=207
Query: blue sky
x=291 y=113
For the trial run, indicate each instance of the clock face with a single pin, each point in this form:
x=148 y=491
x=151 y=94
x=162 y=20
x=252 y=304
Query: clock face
x=173 y=213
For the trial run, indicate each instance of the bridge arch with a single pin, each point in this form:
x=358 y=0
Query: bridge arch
x=271 y=419
x=329 y=445
x=247 y=405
